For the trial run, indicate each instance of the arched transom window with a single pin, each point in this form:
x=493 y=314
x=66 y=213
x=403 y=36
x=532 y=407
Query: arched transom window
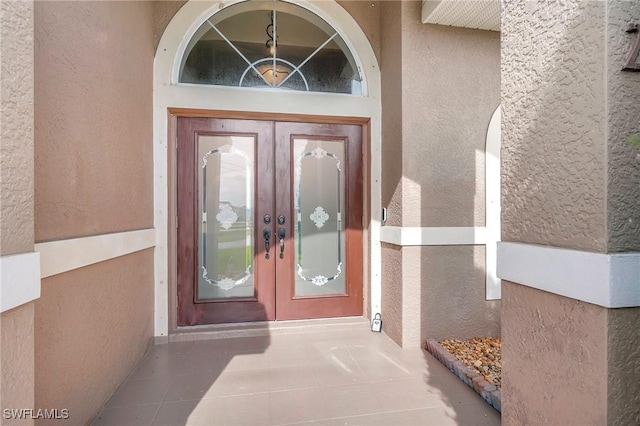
x=272 y=44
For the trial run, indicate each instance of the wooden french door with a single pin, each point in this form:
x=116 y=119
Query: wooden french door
x=269 y=220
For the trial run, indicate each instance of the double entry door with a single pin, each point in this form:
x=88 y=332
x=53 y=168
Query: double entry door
x=269 y=220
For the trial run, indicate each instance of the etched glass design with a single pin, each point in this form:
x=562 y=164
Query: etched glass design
x=319 y=236
x=271 y=45
x=225 y=231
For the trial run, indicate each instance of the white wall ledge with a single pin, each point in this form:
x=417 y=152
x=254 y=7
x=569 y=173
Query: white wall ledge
x=608 y=280
x=433 y=236
x=66 y=255
x=19 y=280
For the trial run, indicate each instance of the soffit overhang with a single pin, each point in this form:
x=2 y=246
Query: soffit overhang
x=479 y=14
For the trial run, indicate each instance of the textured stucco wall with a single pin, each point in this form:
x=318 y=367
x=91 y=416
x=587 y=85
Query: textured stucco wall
x=392 y=292
x=93 y=175
x=16 y=197
x=623 y=366
x=91 y=326
x=623 y=119
x=452 y=292
x=451 y=87
x=554 y=123
x=93 y=118
x=17 y=361
x=391 y=69
x=163 y=12
x=16 y=127
x=554 y=359
x=440 y=87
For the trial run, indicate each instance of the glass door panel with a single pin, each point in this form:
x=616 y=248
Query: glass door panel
x=225 y=176
x=319 y=194
x=269 y=220
x=319 y=237
x=225 y=226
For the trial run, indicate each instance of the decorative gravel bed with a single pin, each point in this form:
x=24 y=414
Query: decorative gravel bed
x=482 y=354
x=477 y=362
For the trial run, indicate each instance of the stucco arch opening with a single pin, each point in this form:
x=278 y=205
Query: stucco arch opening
x=169 y=95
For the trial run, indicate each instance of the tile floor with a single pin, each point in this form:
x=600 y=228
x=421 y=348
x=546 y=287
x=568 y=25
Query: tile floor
x=340 y=377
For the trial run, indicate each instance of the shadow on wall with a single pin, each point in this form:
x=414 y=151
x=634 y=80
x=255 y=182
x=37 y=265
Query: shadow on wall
x=447 y=139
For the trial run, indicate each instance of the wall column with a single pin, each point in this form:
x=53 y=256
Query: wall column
x=570 y=214
x=437 y=104
x=19 y=266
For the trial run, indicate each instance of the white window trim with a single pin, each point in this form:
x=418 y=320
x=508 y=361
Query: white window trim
x=168 y=94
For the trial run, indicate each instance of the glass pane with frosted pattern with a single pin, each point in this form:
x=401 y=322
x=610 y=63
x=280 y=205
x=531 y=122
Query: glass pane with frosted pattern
x=319 y=203
x=225 y=220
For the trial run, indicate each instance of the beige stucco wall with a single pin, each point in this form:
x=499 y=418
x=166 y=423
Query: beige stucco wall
x=93 y=126
x=392 y=294
x=452 y=292
x=392 y=94
x=554 y=123
x=623 y=112
x=554 y=358
x=451 y=87
x=440 y=87
x=92 y=325
x=569 y=180
x=93 y=175
x=16 y=128
x=623 y=366
x=16 y=198
x=17 y=361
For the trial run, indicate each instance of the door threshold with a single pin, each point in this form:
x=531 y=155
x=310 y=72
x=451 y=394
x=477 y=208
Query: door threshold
x=263 y=328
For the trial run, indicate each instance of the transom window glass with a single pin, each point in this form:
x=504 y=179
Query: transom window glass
x=271 y=44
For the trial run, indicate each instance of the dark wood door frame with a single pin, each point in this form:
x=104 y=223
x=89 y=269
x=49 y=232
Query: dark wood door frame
x=174 y=113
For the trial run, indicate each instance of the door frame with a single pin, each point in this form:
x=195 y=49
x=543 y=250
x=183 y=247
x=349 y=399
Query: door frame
x=169 y=94
x=175 y=113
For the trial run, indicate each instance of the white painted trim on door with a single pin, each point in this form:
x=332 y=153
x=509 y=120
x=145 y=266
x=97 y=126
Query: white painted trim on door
x=168 y=94
x=19 y=280
x=62 y=256
x=608 y=280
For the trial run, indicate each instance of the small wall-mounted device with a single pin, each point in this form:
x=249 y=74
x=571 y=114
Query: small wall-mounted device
x=631 y=63
x=384 y=214
x=376 y=323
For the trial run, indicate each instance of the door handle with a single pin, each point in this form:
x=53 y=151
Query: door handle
x=267 y=241
x=281 y=234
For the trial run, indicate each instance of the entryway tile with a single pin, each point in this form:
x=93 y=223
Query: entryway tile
x=297 y=406
x=239 y=410
x=140 y=391
x=350 y=400
x=344 y=378
x=136 y=415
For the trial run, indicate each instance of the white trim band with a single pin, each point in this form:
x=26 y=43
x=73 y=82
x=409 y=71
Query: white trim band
x=66 y=255
x=609 y=280
x=434 y=236
x=19 y=280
